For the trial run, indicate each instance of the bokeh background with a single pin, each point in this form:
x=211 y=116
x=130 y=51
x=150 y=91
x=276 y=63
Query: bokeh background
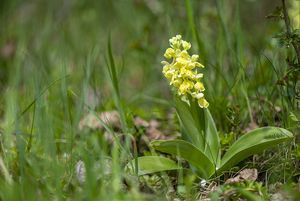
x=45 y=40
x=53 y=60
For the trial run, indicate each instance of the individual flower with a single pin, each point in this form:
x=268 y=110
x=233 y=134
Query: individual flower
x=182 y=72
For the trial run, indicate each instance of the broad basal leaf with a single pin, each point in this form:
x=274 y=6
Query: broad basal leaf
x=152 y=164
x=253 y=142
x=188 y=152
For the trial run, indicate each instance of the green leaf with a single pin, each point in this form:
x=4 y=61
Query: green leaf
x=199 y=128
x=114 y=79
x=248 y=194
x=293 y=117
x=188 y=152
x=213 y=141
x=152 y=164
x=190 y=130
x=253 y=142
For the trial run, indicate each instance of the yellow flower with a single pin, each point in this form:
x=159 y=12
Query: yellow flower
x=199 y=86
x=195 y=57
x=203 y=103
x=168 y=72
x=169 y=53
x=182 y=73
x=185 y=87
x=184 y=54
x=175 y=42
x=186 y=45
x=181 y=61
x=177 y=83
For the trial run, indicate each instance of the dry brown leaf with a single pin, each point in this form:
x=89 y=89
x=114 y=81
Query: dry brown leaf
x=154 y=123
x=251 y=126
x=233 y=180
x=8 y=50
x=154 y=134
x=111 y=118
x=204 y=193
x=246 y=174
x=139 y=122
x=281 y=196
x=249 y=174
x=153 y=131
x=152 y=128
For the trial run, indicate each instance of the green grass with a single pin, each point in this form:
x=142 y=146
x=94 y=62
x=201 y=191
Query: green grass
x=71 y=58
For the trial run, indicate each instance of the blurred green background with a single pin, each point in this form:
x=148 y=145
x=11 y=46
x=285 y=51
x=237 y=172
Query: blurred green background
x=234 y=39
x=53 y=58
